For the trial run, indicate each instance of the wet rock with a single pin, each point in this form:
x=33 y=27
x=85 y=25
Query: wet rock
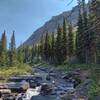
x=46 y=97
x=83 y=88
x=46 y=89
x=80 y=93
x=73 y=77
x=48 y=77
x=53 y=74
x=43 y=69
x=33 y=84
x=53 y=93
x=70 y=74
x=8 y=97
x=97 y=98
x=38 y=80
x=77 y=82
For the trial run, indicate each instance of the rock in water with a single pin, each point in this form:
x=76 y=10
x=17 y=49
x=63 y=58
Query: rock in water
x=46 y=89
x=81 y=92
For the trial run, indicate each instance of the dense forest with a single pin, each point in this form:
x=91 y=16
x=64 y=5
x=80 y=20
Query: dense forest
x=81 y=46
x=66 y=45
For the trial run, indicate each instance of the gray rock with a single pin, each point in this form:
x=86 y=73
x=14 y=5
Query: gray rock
x=80 y=92
x=46 y=89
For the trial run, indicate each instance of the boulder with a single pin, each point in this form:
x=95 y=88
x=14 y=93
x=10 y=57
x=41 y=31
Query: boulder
x=83 y=88
x=46 y=89
x=70 y=74
x=48 y=78
x=73 y=77
x=80 y=93
x=38 y=80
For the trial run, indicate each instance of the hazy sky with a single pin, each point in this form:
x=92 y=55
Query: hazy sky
x=25 y=16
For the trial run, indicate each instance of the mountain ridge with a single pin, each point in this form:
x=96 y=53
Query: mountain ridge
x=52 y=24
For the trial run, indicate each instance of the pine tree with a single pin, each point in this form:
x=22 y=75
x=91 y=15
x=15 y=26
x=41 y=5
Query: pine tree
x=37 y=50
x=0 y=48
x=4 y=42
x=20 y=56
x=80 y=37
x=94 y=21
x=52 y=48
x=3 y=53
x=41 y=46
x=98 y=51
x=58 y=46
x=47 y=48
x=70 y=41
x=12 y=51
x=93 y=33
x=86 y=46
x=32 y=54
x=64 y=41
x=85 y=35
x=27 y=55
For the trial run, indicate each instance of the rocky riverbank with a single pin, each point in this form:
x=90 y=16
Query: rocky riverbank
x=49 y=83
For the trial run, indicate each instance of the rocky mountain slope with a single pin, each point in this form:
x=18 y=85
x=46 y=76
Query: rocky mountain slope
x=51 y=25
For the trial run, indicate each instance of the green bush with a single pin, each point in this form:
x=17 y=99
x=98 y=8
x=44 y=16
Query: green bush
x=21 y=69
x=94 y=91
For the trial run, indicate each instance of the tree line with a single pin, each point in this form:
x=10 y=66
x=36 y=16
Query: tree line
x=12 y=56
x=64 y=45
x=83 y=45
x=88 y=34
x=57 y=49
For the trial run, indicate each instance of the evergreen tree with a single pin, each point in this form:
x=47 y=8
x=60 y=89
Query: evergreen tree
x=47 y=48
x=64 y=41
x=52 y=48
x=70 y=41
x=80 y=37
x=32 y=54
x=4 y=42
x=58 y=46
x=85 y=35
x=3 y=51
x=41 y=46
x=86 y=45
x=37 y=50
x=98 y=51
x=27 y=55
x=20 y=56
x=3 y=59
x=93 y=33
x=95 y=21
x=12 y=51
x=0 y=48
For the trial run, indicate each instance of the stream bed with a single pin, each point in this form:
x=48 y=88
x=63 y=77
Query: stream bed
x=54 y=79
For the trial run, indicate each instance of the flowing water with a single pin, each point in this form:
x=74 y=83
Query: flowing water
x=59 y=85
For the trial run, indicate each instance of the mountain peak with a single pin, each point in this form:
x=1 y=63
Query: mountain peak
x=52 y=24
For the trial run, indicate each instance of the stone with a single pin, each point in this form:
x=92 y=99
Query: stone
x=80 y=93
x=48 y=77
x=46 y=89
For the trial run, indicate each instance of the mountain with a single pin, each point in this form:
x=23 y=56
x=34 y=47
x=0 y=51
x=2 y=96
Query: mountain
x=51 y=25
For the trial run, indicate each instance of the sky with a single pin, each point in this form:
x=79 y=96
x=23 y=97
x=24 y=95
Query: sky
x=25 y=16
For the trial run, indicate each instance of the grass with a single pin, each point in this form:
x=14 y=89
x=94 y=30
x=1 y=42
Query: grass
x=21 y=69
